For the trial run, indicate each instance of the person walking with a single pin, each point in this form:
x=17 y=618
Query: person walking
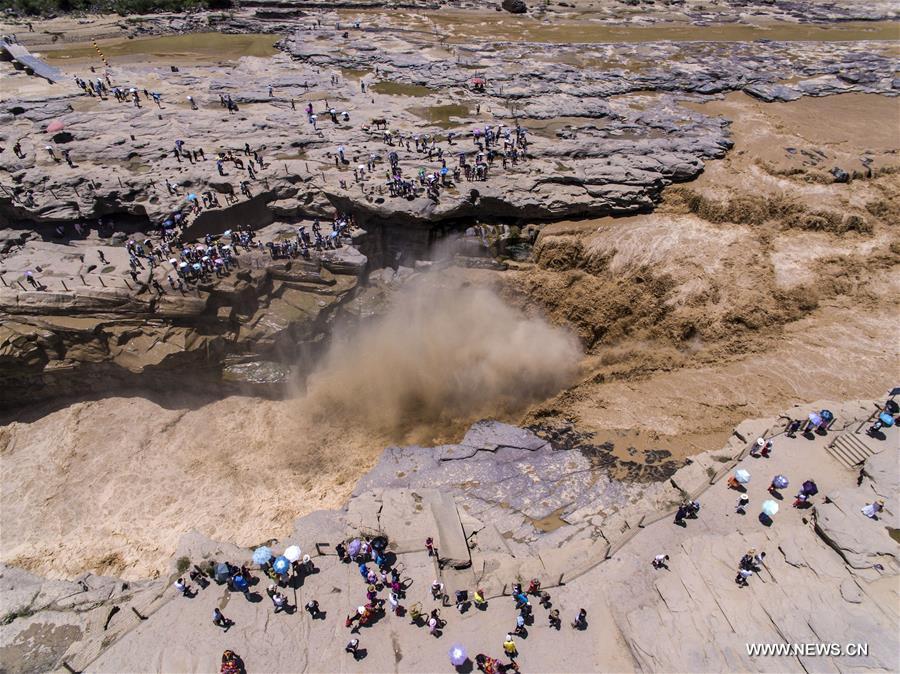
x=220 y=620
x=509 y=646
x=352 y=648
x=312 y=607
x=661 y=562
x=743 y=502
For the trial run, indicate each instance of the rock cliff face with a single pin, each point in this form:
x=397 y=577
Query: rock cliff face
x=55 y=343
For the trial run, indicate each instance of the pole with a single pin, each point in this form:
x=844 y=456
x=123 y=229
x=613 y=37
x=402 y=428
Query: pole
x=64 y=285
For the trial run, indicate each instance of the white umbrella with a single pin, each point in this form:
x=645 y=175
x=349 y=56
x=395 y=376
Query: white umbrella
x=742 y=476
x=293 y=553
x=769 y=507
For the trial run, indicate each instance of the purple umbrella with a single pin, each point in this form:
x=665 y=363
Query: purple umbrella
x=458 y=655
x=354 y=547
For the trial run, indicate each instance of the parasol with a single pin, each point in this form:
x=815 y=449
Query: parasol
x=262 y=555
x=281 y=564
x=769 y=508
x=458 y=655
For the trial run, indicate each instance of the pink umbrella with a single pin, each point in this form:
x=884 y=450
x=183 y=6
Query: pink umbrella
x=55 y=126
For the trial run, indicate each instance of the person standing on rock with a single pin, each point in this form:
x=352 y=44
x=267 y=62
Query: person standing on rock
x=554 y=619
x=437 y=589
x=871 y=510
x=661 y=562
x=580 y=621
x=353 y=648
x=680 y=514
x=312 y=607
x=29 y=276
x=429 y=545
x=183 y=588
x=742 y=576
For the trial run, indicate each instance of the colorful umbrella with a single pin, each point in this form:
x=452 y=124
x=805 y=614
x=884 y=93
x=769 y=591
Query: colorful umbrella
x=780 y=481
x=262 y=555
x=886 y=419
x=354 y=547
x=54 y=126
x=293 y=553
x=281 y=564
x=810 y=488
x=769 y=508
x=742 y=476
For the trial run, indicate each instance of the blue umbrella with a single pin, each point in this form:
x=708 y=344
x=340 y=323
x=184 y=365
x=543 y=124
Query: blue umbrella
x=886 y=419
x=192 y=197
x=262 y=555
x=444 y=170
x=780 y=481
x=241 y=583
x=281 y=564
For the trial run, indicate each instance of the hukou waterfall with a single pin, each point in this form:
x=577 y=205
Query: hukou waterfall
x=341 y=338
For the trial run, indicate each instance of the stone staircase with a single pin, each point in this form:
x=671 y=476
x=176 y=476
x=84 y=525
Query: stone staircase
x=852 y=449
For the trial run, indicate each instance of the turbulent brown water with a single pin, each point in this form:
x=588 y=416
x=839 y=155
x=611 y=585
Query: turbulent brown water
x=441 y=356
x=110 y=485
